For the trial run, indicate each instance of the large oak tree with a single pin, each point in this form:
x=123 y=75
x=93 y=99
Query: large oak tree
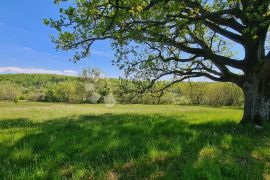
x=182 y=38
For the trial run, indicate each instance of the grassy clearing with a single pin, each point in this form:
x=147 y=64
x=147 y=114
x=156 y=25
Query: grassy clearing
x=59 y=141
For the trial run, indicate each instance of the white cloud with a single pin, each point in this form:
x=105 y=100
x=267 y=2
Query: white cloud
x=18 y=70
x=70 y=72
x=26 y=48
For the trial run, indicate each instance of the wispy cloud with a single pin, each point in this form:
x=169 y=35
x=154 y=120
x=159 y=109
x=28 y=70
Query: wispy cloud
x=17 y=70
x=26 y=48
x=101 y=53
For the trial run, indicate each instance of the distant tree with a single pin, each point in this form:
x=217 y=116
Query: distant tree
x=92 y=75
x=196 y=92
x=95 y=84
x=223 y=94
x=9 y=91
x=67 y=92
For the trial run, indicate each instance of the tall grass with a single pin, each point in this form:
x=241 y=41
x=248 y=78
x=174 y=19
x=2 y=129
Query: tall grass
x=59 y=141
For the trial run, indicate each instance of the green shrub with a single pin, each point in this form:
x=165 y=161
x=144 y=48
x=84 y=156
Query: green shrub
x=223 y=94
x=9 y=91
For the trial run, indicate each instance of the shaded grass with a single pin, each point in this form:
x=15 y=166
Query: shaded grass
x=58 y=141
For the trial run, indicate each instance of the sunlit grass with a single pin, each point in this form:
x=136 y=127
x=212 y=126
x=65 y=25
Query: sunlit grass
x=60 y=141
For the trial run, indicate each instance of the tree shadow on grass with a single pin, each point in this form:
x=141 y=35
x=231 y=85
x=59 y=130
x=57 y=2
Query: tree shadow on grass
x=16 y=123
x=132 y=146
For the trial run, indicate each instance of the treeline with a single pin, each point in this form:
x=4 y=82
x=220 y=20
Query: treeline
x=92 y=88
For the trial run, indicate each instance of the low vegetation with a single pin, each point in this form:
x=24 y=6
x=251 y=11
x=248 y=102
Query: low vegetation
x=56 y=88
x=129 y=142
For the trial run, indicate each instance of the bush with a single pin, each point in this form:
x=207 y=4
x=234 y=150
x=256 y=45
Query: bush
x=36 y=96
x=70 y=91
x=9 y=91
x=110 y=100
x=94 y=97
x=168 y=98
x=223 y=94
x=196 y=93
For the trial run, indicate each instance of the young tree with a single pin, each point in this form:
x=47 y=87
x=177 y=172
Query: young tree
x=95 y=85
x=91 y=75
x=187 y=39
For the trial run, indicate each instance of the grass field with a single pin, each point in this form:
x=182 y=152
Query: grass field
x=59 y=141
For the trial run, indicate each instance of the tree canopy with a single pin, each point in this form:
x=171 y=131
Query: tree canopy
x=185 y=39
x=189 y=38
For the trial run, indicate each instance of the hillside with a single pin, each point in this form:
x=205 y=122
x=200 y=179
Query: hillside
x=35 y=79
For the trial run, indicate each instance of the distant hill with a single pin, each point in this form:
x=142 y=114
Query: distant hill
x=35 y=79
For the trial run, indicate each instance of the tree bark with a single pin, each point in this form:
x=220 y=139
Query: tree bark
x=257 y=100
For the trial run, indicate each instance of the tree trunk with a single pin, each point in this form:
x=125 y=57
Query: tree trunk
x=257 y=100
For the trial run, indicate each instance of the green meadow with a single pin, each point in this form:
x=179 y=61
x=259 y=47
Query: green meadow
x=65 y=141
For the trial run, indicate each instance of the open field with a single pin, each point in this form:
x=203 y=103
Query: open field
x=59 y=141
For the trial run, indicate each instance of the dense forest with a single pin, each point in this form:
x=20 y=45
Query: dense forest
x=90 y=87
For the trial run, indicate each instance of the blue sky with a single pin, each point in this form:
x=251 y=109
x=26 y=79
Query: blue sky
x=25 y=44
